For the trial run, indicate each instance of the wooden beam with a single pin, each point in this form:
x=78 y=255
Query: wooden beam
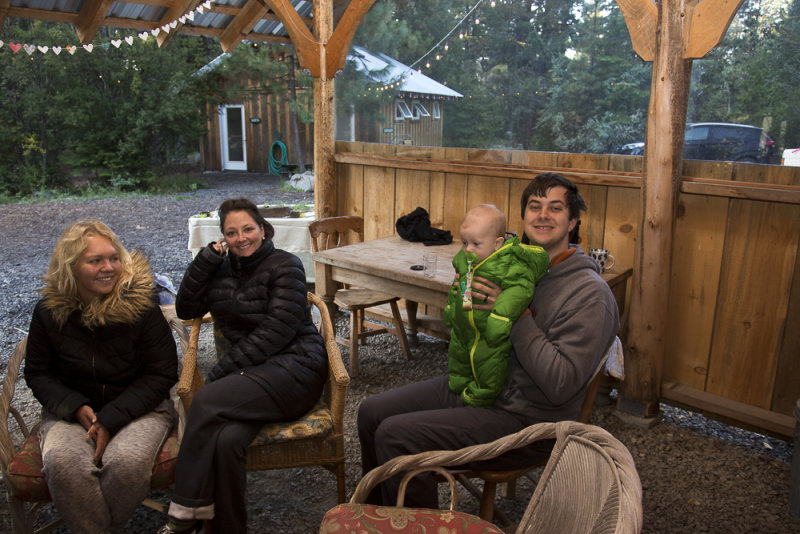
x=307 y=46
x=758 y=418
x=641 y=17
x=90 y=18
x=786 y=194
x=241 y=25
x=707 y=23
x=339 y=45
x=175 y=11
x=40 y=14
x=4 y=5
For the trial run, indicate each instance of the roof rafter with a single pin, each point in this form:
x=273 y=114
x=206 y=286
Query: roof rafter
x=91 y=18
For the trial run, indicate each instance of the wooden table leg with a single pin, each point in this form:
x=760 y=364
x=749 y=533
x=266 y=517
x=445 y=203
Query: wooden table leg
x=325 y=286
x=411 y=333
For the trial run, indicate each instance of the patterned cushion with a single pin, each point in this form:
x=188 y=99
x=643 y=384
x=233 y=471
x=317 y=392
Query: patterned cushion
x=25 y=468
x=388 y=519
x=317 y=423
x=164 y=470
x=25 y=471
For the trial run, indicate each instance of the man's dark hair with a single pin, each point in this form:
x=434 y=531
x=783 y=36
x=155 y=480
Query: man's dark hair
x=246 y=205
x=543 y=183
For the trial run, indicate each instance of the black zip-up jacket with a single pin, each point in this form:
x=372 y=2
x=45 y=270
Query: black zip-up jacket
x=259 y=305
x=122 y=363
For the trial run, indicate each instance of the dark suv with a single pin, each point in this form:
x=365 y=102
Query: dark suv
x=720 y=141
x=727 y=142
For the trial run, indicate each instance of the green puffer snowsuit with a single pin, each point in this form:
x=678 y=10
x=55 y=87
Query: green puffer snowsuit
x=479 y=339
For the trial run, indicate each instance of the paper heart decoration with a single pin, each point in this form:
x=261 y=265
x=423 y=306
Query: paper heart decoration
x=190 y=15
x=1 y=43
x=165 y=27
x=43 y=49
x=105 y=46
x=15 y=47
x=207 y=4
x=143 y=36
x=29 y=49
x=173 y=24
x=88 y=47
x=116 y=42
x=200 y=9
x=71 y=50
x=155 y=31
x=56 y=50
x=129 y=40
x=182 y=19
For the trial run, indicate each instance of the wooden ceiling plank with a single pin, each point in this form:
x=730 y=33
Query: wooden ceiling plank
x=90 y=18
x=305 y=45
x=241 y=25
x=708 y=22
x=339 y=44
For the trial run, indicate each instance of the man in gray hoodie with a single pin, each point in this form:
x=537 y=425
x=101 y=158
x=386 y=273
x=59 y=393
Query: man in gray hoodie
x=557 y=345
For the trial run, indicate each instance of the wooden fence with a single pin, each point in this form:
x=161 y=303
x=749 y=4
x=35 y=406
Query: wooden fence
x=734 y=312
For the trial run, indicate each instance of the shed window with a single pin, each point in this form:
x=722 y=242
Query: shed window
x=401 y=111
x=419 y=110
x=436 y=114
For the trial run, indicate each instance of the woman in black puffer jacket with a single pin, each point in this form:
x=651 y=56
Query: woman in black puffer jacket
x=272 y=364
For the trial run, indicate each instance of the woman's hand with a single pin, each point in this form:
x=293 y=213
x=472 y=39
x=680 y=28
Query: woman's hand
x=221 y=246
x=94 y=431
x=484 y=293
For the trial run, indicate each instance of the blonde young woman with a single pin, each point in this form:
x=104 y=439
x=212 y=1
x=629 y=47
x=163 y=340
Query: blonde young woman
x=101 y=360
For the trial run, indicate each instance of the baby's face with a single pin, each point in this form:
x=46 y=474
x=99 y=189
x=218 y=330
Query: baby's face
x=479 y=238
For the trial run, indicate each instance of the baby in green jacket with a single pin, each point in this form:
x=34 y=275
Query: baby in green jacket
x=480 y=340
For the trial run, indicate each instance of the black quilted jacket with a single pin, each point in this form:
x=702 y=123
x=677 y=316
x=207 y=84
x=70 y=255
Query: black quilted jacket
x=259 y=304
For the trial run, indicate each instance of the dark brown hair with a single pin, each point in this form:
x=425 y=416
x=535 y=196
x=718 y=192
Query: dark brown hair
x=246 y=205
x=543 y=183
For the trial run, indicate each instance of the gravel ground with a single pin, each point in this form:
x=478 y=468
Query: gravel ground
x=697 y=475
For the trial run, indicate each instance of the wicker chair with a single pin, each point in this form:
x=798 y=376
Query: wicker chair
x=317 y=438
x=26 y=489
x=491 y=478
x=589 y=484
x=332 y=232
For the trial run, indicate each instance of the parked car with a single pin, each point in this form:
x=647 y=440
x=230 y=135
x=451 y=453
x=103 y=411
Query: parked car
x=720 y=141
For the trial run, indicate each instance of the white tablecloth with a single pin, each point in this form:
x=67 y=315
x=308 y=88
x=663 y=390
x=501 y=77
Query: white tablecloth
x=291 y=235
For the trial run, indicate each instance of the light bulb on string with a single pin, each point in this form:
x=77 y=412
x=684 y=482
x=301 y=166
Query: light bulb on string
x=493 y=3
x=438 y=57
x=477 y=20
x=428 y=65
x=446 y=47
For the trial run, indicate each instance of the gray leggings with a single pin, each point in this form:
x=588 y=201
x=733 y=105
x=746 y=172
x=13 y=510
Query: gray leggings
x=95 y=499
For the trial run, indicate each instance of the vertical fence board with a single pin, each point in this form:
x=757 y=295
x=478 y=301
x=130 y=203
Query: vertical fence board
x=760 y=251
x=455 y=204
x=787 y=376
x=621 y=226
x=593 y=222
x=379 y=195
x=696 y=258
x=438 y=194
x=350 y=185
x=413 y=187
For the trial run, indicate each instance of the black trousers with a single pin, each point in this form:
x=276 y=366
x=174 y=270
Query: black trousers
x=226 y=415
x=426 y=416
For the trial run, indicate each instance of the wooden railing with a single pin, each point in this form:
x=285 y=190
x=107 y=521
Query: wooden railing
x=734 y=317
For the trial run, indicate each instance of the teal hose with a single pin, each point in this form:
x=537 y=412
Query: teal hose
x=276 y=165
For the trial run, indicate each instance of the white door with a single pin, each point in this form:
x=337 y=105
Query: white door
x=232 y=137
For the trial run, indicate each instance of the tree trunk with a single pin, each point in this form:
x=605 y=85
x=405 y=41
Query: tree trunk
x=298 y=148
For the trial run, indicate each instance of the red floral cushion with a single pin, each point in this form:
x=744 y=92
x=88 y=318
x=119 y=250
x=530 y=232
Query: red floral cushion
x=25 y=468
x=389 y=519
x=25 y=471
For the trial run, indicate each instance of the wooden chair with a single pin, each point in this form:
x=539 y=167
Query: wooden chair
x=491 y=478
x=317 y=438
x=332 y=232
x=589 y=484
x=21 y=466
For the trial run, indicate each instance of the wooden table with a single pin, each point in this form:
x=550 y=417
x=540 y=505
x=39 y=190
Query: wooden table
x=385 y=265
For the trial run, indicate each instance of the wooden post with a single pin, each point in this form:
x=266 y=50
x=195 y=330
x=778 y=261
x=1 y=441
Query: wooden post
x=670 y=34
x=666 y=121
x=324 y=135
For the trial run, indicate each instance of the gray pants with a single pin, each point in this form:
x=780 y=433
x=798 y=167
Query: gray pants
x=94 y=499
